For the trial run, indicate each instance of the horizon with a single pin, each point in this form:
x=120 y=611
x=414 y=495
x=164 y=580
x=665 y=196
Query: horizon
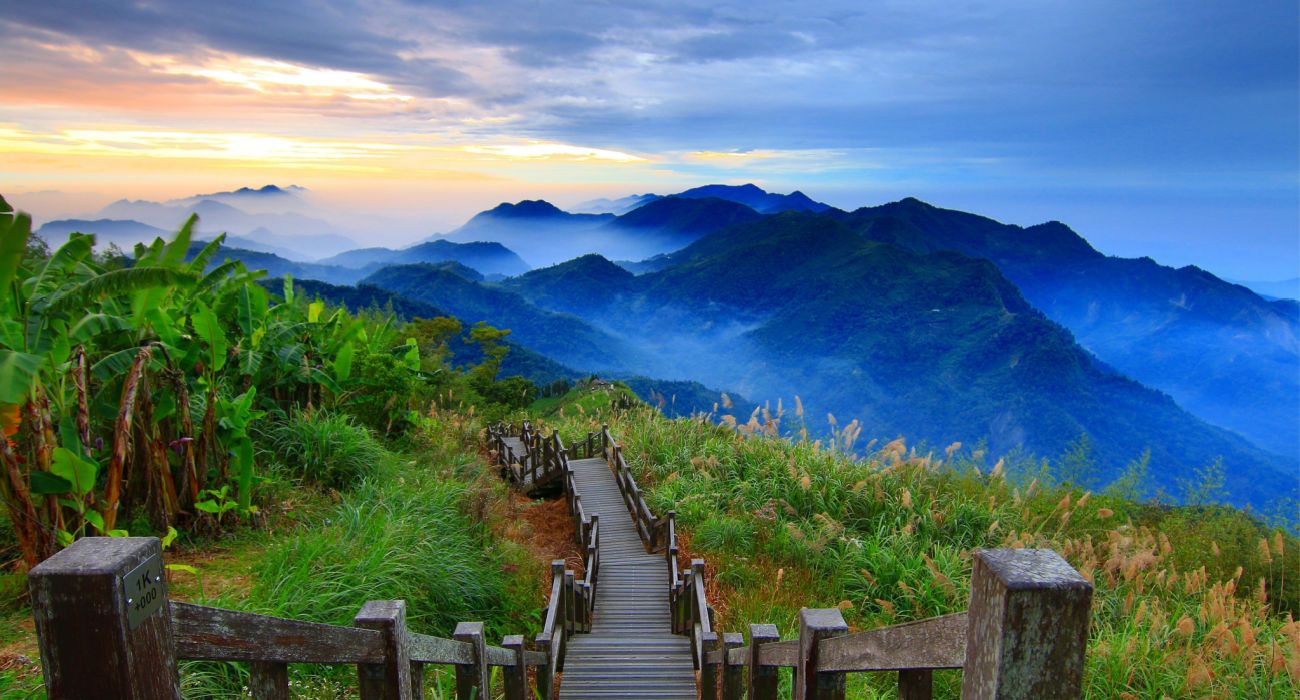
x=1161 y=131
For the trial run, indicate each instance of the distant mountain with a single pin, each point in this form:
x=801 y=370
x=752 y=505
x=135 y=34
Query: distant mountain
x=277 y=266
x=543 y=234
x=1277 y=289
x=125 y=233
x=679 y=221
x=575 y=286
x=310 y=238
x=757 y=198
x=260 y=198
x=1223 y=352
x=622 y=205
x=561 y=337
x=540 y=232
x=487 y=258
x=934 y=346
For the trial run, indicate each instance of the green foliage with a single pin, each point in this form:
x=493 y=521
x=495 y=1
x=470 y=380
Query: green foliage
x=326 y=448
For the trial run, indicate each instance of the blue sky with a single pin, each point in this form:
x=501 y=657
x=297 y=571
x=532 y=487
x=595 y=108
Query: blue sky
x=1154 y=128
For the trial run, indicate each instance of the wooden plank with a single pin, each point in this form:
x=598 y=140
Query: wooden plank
x=214 y=634
x=89 y=646
x=938 y=642
x=437 y=650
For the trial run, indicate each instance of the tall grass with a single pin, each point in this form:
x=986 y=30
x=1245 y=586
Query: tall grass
x=326 y=448
x=408 y=531
x=1189 y=602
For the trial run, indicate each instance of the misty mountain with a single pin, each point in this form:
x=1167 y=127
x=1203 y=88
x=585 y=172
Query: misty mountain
x=679 y=221
x=562 y=337
x=277 y=266
x=1275 y=289
x=268 y=198
x=487 y=258
x=543 y=234
x=310 y=238
x=622 y=205
x=757 y=199
x=934 y=346
x=124 y=233
x=1220 y=350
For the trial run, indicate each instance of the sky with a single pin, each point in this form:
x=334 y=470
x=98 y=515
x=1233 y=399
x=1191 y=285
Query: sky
x=1161 y=128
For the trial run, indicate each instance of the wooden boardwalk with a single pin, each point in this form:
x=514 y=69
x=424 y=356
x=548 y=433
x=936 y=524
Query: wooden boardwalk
x=631 y=651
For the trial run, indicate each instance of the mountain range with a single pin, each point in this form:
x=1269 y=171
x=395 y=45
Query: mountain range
x=916 y=320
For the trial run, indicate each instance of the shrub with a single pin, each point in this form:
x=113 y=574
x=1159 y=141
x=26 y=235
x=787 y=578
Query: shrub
x=326 y=448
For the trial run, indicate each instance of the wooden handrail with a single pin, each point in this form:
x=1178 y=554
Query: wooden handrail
x=118 y=586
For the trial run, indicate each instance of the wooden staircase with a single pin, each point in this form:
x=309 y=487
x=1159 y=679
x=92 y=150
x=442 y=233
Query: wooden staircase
x=631 y=651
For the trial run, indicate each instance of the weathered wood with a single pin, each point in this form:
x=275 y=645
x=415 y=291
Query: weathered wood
x=763 y=679
x=733 y=675
x=516 y=677
x=916 y=684
x=937 y=642
x=436 y=650
x=709 y=681
x=473 y=681
x=1028 y=627
x=214 y=634
x=816 y=625
x=390 y=679
x=268 y=680
x=89 y=648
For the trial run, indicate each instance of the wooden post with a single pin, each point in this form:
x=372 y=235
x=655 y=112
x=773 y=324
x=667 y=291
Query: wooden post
x=390 y=680
x=816 y=624
x=268 y=680
x=103 y=621
x=709 y=671
x=1028 y=627
x=916 y=684
x=733 y=676
x=763 y=680
x=570 y=603
x=473 y=681
x=516 y=676
x=604 y=438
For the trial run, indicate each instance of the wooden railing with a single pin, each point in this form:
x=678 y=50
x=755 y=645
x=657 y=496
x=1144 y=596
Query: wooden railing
x=650 y=528
x=107 y=629
x=572 y=602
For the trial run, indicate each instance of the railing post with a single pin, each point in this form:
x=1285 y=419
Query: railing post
x=733 y=675
x=516 y=676
x=816 y=624
x=103 y=621
x=604 y=438
x=570 y=607
x=763 y=680
x=709 y=671
x=268 y=680
x=473 y=681
x=1028 y=627
x=390 y=680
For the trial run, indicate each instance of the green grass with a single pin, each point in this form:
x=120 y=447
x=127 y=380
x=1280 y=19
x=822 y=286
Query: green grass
x=325 y=448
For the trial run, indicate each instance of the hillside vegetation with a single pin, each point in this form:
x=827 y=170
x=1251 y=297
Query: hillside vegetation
x=1191 y=601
